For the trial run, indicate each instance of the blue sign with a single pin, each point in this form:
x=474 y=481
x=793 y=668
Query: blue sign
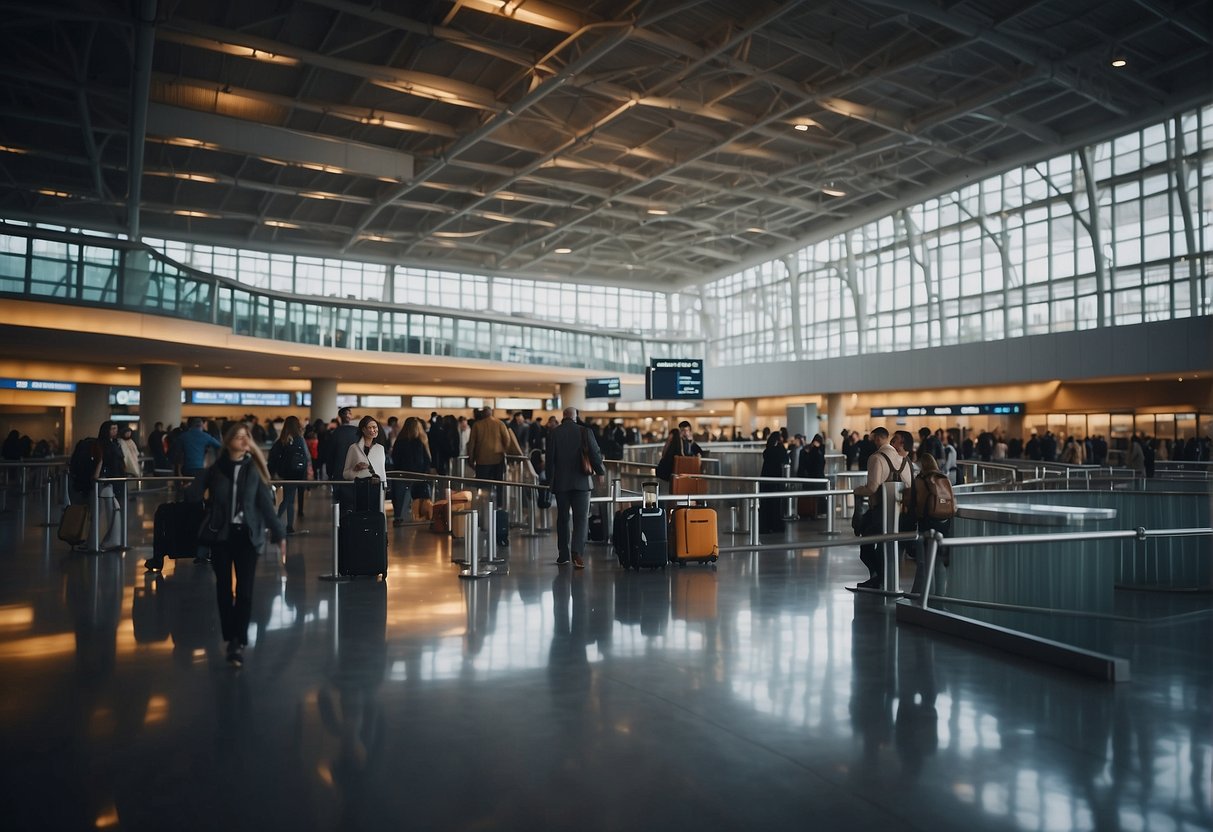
x=38 y=384
x=952 y=410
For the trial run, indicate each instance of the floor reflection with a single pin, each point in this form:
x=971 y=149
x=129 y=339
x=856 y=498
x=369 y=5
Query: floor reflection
x=753 y=692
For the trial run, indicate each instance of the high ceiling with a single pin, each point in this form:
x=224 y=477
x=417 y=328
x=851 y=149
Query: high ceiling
x=641 y=142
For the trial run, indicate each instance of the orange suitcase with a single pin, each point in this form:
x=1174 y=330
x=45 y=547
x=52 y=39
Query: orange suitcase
x=695 y=536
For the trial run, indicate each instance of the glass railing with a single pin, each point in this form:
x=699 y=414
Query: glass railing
x=83 y=270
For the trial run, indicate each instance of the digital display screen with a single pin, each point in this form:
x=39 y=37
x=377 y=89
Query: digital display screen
x=244 y=398
x=602 y=388
x=952 y=410
x=38 y=384
x=383 y=402
x=674 y=378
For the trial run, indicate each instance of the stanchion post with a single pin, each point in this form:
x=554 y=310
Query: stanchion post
x=789 y=509
x=733 y=513
x=931 y=548
x=471 y=538
x=336 y=540
x=891 y=579
x=122 y=507
x=94 y=527
x=47 y=490
x=754 y=521
x=830 y=506
x=490 y=527
x=450 y=516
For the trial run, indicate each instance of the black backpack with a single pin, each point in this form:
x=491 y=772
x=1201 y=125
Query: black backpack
x=82 y=464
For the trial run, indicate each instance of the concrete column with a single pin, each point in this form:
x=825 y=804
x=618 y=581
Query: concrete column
x=802 y=419
x=573 y=395
x=92 y=408
x=324 y=399
x=745 y=416
x=836 y=418
x=159 y=397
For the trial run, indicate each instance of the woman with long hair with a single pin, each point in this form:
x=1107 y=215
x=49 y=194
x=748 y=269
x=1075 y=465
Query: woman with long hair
x=411 y=452
x=242 y=509
x=366 y=459
x=289 y=460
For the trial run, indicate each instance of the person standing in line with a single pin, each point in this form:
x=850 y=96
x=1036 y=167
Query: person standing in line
x=410 y=452
x=130 y=452
x=889 y=462
x=488 y=446
x=290 y=460
x=241 y=501
x=340 y=440
x=571 y=485
x=194 y=443
x=366 y=459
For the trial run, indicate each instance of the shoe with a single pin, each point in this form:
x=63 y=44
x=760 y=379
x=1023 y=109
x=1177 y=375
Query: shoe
x=577 y=562
x=562 y=560
x=870 y=583
x=399 y=521
x=235 y=654
x=290 y=529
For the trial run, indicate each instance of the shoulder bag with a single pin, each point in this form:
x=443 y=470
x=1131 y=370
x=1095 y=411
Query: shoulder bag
x=587 y=464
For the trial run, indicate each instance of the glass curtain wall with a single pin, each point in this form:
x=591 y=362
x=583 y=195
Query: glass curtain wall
x=1110 y=234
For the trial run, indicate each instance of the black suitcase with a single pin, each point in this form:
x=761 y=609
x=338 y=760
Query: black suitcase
x=367 y=494
x=619 y=538
x=362 y=544
x=596 y=532
x=175 y=530
x=503 y=529
x=646 y=538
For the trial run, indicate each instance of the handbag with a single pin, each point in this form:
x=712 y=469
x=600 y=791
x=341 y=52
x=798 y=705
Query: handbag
x=587 y=464
x=859 y=518
x=214 y=528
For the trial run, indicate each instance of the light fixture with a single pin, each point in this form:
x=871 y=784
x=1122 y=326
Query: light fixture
x=202 y=214
x=563 y=250
x=189 y=177
x=658 y=212
x=833 y=190
x=120 y=367
x=803 y=128
x=279 y=224
x=1119 y=61
x=294 y=368
x=49 y=192
x=753 y=229
x=4 y=148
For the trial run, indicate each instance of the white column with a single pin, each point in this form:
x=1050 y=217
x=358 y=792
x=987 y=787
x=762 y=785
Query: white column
x=573 y=395
x=159 y=396
x=836 y=418
x=91 y=409
x=324 y=399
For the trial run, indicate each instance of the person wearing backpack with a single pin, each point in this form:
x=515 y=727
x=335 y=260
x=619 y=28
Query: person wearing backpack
x=889 y=462
x=932 y=505
x=289 y=460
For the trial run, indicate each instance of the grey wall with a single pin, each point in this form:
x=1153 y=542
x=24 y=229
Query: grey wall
x=1182 y=346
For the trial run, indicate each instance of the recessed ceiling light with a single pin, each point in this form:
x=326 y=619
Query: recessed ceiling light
x=833 y=190
x=658 y=212
x=437 y=379
x=227 y=366
x=803 y=128
x=753 y=229
x=564 y=250
x=120 y=367
x=294 y=368
x=1119 y=62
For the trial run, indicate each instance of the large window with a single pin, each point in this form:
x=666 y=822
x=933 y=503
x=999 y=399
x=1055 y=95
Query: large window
x=1020 y=253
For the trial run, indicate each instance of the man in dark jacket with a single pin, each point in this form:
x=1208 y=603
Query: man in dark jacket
x=571 y=485
x=346 y=434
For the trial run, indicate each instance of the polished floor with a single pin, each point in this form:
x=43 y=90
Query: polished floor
x=759 y=694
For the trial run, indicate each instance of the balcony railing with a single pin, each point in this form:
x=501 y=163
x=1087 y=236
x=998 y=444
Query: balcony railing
x=76 y=269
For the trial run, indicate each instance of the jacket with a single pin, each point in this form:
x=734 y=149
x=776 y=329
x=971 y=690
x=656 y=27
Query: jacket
x=256 y=498
x=490 y=441
x=376 y=458
x=563 y=466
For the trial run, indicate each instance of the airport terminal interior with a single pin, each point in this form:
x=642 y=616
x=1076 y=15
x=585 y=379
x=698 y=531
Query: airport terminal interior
x=990 y=221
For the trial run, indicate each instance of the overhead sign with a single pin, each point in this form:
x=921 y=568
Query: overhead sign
x=241 y=398
x=952 y=410
x=38 y=384
x=674 y=378
x=603 y=388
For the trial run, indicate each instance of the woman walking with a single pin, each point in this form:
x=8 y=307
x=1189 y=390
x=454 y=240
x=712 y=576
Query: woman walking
x=290 y=460
x=241 y=509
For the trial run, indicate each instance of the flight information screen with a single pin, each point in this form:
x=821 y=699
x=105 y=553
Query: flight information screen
x=674 y=378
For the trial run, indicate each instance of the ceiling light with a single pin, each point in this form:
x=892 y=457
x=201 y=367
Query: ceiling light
x=377 y=238
x=1119 y=61
x=202 y=214
x=4 y=148
x=49 y=192
x=120 y=367
x=182 y=141
x=833 y=190
x=279 y=224
x=319 y=195
x=658 y=212
x=753 y=229
x=321 y=168
x=190 y=177
x=563 y=250
x=294 y=368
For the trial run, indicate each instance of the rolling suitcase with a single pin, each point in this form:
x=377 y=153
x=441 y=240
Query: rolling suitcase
x=175 y=530
x=619 y=537
x=73 y=526
x=695 y=537
x=646 y=538
x=362 y=544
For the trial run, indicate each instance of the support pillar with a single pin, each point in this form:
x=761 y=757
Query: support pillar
x=92 y=408
x=324 y=399
x=573 y=395
x=745 y=416
x=159 y=396
x=836 y=418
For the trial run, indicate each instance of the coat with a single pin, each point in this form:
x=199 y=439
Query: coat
x=257 y=501
x=490 y=441
x=563 y=467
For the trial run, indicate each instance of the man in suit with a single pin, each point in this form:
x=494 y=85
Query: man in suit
x=570 y=484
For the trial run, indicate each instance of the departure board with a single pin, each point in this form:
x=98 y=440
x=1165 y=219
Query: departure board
x=674 y=378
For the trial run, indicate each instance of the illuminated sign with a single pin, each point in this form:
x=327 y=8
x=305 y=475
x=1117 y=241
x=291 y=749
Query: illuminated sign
x=674 y=378
x=38 y=384
x=952 y=410
x=602 y=388
x=242 y=398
